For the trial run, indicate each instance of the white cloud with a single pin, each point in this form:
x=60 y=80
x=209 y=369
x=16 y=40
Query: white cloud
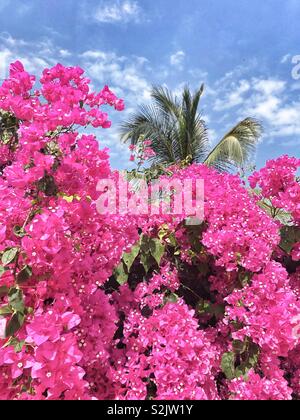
x=177 y=91
x=266 y=99
x=125 y=73
x=64 y=53
x=285 y=58
x=292 y=143
x=270 y=100
x=117 y=11
x=269 y=87
x=198 y=74
x=234 y=97
x=35 y=56
x=177 y=59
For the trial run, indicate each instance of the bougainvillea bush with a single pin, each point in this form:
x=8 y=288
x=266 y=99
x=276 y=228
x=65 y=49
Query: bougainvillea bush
x=126 y=307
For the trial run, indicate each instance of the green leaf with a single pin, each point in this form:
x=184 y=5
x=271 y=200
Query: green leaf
x=249 y=355
x=19 y=231
x=2 y=270
x=19 y=346
x=239 y=347
x=254 y=352
x=14 y=342
x=217 y=310
x=164 y=230
x=15 y=298
x=68 y=198
x=206 y=307
x=147 y=262
x=121 y=273
x=130 y=257
x=227 y=365
x=29 y=310
x=5 y=310
x=202 y=307
x=244 y=279
x=194 y=233
x=145 y=244
x=24 y=274
x=9 y=255
x=157 y=250
x=290 y=235
x=14 y=324
x=47 y=185
x=171 y=298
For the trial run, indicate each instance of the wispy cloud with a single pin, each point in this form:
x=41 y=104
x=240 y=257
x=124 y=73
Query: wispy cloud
x=125 y=74
x=35 y=56
x=269 y=100
x=234 y=97
x=286 y=58
x=117 y=11
x=177 y=59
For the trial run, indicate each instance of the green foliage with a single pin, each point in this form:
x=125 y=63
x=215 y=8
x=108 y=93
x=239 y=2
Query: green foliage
x=15 y=298
x=149 y=251
x=206 y=307
x=2 y=270
x=121 y=273
x=16 y=343
x=227 y=365
x=47 y=185
x=5 y=310
x=15 y=309
x=14 y=324
x=179 y=134
x=281 y=215
x=129 y=258
x=19 y=231
x=9 y=126
x=24 y=274
x=52 y=148
x=290 y=235
x=237 y=146
x=9 y=255
x=170 y=298
x=243 y=358
x=157 y=250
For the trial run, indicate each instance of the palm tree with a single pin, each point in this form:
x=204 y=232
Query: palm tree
x=178 y=132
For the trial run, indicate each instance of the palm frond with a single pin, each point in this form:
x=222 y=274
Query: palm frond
x=165 y=101
x=179 y=133
x=237 y=146
x=192 y=132
x=149 y=122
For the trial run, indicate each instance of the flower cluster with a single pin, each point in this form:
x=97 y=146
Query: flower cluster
x=136 y=307
x=142 y=151
x=167 y=355
x=278 y=183
x=266 y=309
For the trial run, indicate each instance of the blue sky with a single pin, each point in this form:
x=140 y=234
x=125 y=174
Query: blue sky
x=242 y=50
